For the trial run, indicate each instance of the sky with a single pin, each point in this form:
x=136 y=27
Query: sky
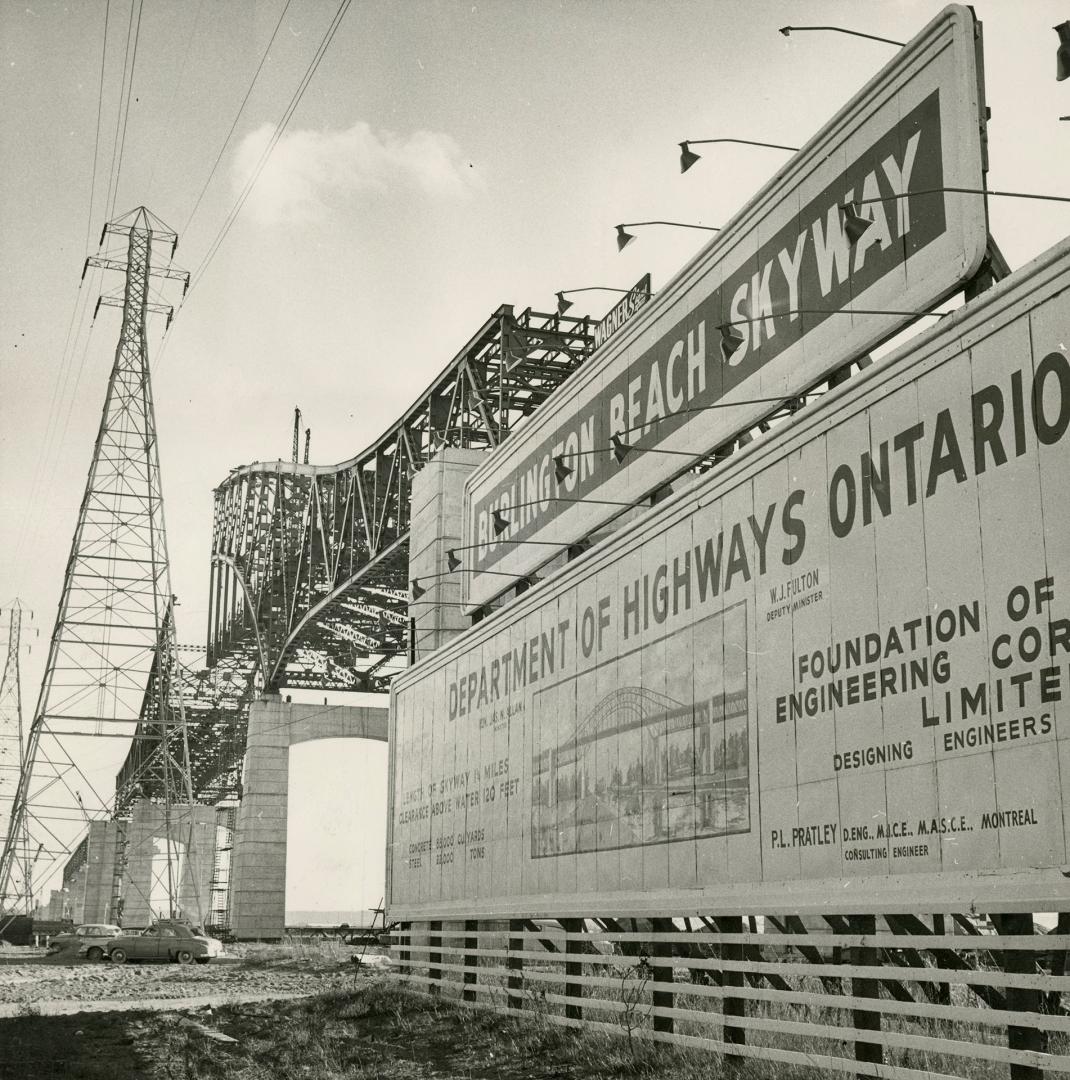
x=445 y=158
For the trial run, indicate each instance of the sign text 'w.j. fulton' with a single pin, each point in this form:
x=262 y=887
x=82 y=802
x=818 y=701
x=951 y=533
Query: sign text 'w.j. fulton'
x=803 y=275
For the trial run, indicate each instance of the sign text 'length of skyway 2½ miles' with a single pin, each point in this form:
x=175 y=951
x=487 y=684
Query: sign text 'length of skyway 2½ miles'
x=802 y=296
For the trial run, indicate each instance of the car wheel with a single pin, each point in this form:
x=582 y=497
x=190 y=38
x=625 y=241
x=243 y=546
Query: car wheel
x=118 y=956
x=94 y=953
x=183 y=956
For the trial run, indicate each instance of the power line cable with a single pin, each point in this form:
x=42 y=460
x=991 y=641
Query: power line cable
x=277 y=134
x=96 y=140
x=237 y=116
x=174 y=94
x=48 y=460
x=109 y=200
x=280 y=127
x=126 y=112
x=63 y=370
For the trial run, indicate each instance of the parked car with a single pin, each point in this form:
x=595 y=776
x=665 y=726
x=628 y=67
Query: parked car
x=167 y=939
x=90 y=940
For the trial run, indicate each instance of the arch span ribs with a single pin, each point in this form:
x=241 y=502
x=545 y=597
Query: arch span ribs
x=309 y=572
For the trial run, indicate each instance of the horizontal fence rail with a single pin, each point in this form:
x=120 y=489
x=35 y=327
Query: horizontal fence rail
x=878 y=996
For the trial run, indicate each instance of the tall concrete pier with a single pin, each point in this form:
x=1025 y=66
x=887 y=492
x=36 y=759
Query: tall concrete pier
x=258 y=874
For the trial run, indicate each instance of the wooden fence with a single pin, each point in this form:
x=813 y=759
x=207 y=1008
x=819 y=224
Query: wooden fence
x=892 y=996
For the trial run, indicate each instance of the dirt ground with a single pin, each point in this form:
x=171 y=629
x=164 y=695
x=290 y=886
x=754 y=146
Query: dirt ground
x=62 y=983
x=349 y=1025
x=65 y=1017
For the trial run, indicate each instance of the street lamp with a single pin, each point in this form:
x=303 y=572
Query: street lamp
x=625 y=238
x=787 y=30
x=688 y=157
x=1062 y=57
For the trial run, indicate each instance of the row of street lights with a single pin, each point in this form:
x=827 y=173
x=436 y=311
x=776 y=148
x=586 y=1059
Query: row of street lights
x=854 y=223
x=688 y=157
x=731 y=339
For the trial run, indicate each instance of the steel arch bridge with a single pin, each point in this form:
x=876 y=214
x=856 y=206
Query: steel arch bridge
x=309 y=571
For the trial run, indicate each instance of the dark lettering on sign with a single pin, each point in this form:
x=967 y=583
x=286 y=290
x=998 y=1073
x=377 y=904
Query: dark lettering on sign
x=798 y=279
x=940 y=451
x=622 y=311
x=1009 y=819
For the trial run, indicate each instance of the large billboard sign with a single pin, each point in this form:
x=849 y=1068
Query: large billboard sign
x=800 y=297
x=835 y=671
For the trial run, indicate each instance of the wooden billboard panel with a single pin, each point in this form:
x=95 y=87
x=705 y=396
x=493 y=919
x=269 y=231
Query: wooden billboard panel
x=800 y=297
x=836 y=667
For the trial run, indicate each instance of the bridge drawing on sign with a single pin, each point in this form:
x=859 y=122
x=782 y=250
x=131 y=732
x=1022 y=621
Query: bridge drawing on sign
x=644 y=768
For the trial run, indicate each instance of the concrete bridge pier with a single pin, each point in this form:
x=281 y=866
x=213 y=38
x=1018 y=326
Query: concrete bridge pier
x=258 y=866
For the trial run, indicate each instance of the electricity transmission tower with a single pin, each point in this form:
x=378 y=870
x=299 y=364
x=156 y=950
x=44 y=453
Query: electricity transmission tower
x=12 y=756
x=113 y=632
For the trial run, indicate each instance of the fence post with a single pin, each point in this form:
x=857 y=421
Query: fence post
x=573 y=968
x=404 y=940
x=943 y=990
x=1020 y=999
x=662 y=953
x=733 y=1006
x=865 y=1019
x=434 y=958
x=515 y=980
x=471 y=963
x=1058 y=962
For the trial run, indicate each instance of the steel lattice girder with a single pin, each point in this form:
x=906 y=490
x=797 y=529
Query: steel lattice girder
x=309 y=575
x=303 y=554
x=216 y=704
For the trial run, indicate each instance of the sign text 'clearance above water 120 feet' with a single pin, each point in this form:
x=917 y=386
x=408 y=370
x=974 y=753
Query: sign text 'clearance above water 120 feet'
x=790 y=282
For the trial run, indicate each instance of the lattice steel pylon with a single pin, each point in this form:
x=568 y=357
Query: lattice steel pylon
x=114 y=610
x=12 y=757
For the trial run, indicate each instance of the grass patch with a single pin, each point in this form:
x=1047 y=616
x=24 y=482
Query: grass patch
x=384 y=1031
x=379 y=1028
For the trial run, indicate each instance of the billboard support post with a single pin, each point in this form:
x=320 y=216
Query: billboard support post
x=403 y=939
x=434 y=957
x=663 y=976
x=942 y=990
x=471 y=960
x=1058 y=963
x=515 y=964
x=994 y=267
x=733 y=1006
x=865 y=1019
x=1021 y=999
x=573 y=968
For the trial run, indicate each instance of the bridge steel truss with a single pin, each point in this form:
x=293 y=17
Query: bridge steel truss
x=309 y=571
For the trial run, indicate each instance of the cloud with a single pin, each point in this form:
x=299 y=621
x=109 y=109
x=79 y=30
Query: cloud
x=309 y=172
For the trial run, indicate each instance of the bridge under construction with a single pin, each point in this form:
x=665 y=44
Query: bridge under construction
x=309 y=589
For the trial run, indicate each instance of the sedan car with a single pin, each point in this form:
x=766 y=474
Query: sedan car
x=165 y=940
x=90 y=940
